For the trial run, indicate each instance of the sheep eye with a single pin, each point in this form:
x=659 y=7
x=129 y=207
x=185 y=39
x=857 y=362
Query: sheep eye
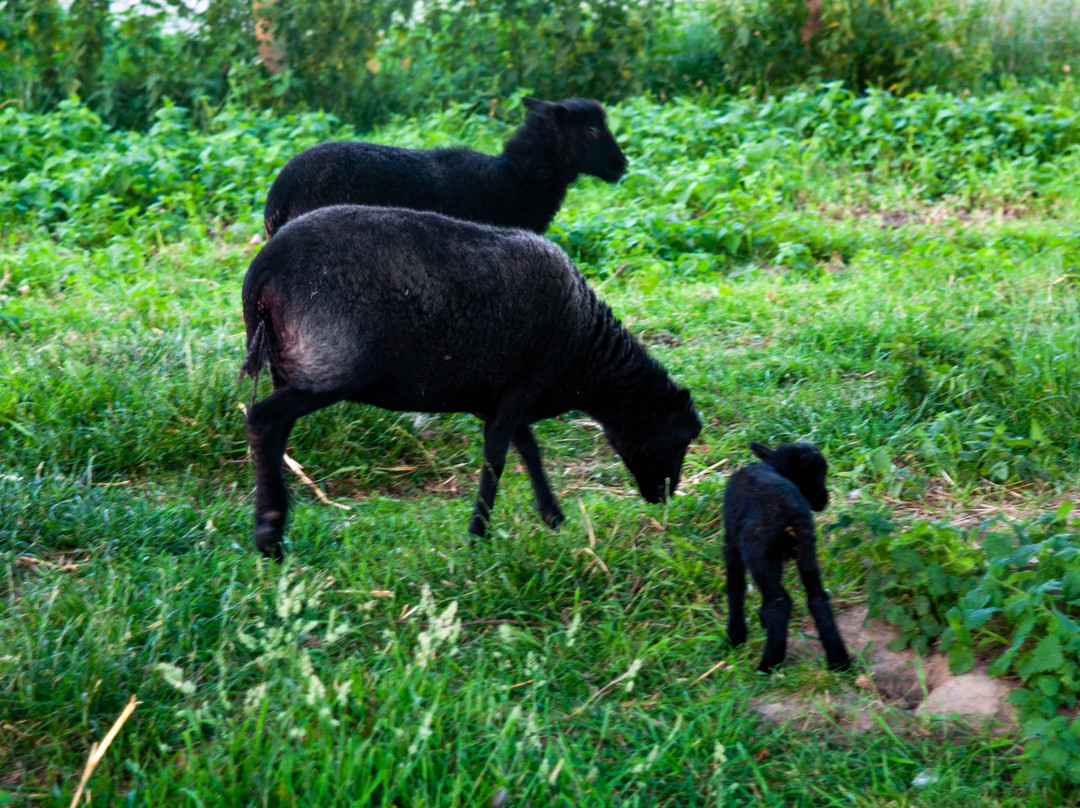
x=594 y=131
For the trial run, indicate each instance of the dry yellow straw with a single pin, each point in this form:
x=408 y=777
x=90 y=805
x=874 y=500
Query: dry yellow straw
x=298 y=470
x=97 y=751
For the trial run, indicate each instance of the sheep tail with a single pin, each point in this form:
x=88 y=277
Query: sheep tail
x=273 y=222
x=256 y=357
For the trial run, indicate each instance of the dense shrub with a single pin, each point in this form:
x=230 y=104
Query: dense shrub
x=177 y=174
x=368 y=61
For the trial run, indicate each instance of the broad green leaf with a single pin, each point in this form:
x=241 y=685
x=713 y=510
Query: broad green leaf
x=1046 y=656
x=997 y=545
x=961 y=658
x=974 y=618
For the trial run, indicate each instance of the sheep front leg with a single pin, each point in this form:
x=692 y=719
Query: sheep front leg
x=526 y=445
x=497 y=436
x=817 y=599
x=736 y=595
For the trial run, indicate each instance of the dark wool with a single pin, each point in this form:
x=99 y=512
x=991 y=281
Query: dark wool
x=767 y=520
x=416 y=311
x=522 y=187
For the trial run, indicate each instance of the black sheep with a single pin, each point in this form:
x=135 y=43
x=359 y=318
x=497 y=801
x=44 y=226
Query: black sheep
x=411 y=310
x=767 y=520
x=522 y=187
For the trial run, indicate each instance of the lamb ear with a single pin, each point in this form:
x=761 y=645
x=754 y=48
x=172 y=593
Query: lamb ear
x=764 y=452
x=535 y=104
x=682 y=398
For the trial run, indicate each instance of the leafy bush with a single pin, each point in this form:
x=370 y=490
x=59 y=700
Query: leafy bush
x=899 y=45
x=1023 y=611
x=1010 y=595
x=736 y=159
x=369 y=61
x=913 y=577
x=557 y=48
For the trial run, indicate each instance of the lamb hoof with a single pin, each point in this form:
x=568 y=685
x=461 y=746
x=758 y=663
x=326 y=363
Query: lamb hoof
x=268 y=541
x=769 y=667
x=735 y=639
x=840 y=664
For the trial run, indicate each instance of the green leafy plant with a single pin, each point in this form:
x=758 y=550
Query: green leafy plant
x=1023 y=611
x=1009 y=596
x=913 y=577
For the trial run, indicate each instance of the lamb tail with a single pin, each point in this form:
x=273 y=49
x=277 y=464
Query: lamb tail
x=256 y=357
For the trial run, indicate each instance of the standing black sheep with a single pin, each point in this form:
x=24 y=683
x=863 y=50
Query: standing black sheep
x=522 y=187
x=767 y=520
x=410 y=310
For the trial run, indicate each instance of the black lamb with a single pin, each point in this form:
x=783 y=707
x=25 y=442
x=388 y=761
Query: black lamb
x=767 y=520
x=411 y=311
x=522 y=187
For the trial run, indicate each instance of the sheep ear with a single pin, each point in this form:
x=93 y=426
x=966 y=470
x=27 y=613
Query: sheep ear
x=535 y=104
x=682 y=398
x=561 y=112
x=764 y=452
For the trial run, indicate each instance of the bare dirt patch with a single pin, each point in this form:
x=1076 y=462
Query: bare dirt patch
x=896 y=687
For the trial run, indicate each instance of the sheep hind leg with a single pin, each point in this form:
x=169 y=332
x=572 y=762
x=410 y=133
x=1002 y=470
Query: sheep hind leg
x=775 y=611
x=497 y=436
x=817 y=600
x=736 y=595
x=526 y=445
x=268 y=425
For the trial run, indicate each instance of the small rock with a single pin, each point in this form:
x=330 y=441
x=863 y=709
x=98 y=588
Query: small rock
x=936 y=670
x=972 y=695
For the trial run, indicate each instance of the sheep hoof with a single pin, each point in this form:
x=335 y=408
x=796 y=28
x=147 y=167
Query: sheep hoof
x=553 y=519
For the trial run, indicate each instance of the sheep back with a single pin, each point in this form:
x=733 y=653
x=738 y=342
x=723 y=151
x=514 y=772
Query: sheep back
x=430 y=313
x=522 y=187
x=760 y=503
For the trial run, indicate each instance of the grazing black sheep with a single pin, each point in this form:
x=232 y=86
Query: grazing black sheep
x=522 y=187
x=767 y=520
x=411 y=310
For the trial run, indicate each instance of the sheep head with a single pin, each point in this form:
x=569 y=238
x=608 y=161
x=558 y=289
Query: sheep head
x=586 y=145
x=653 y=447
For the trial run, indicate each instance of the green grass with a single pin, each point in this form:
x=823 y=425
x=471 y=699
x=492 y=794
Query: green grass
x=915 y=315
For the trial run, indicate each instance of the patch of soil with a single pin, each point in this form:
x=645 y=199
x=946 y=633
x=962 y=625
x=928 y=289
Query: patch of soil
x=898 y=687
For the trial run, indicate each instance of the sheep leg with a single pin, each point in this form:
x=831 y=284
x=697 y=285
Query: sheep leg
x=736 y=595
x=767 y=572
x=497 y=435
x=817 y=599
x=268 y=425
x=526 y=445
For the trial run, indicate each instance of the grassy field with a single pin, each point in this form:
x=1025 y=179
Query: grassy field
x=895 y=280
